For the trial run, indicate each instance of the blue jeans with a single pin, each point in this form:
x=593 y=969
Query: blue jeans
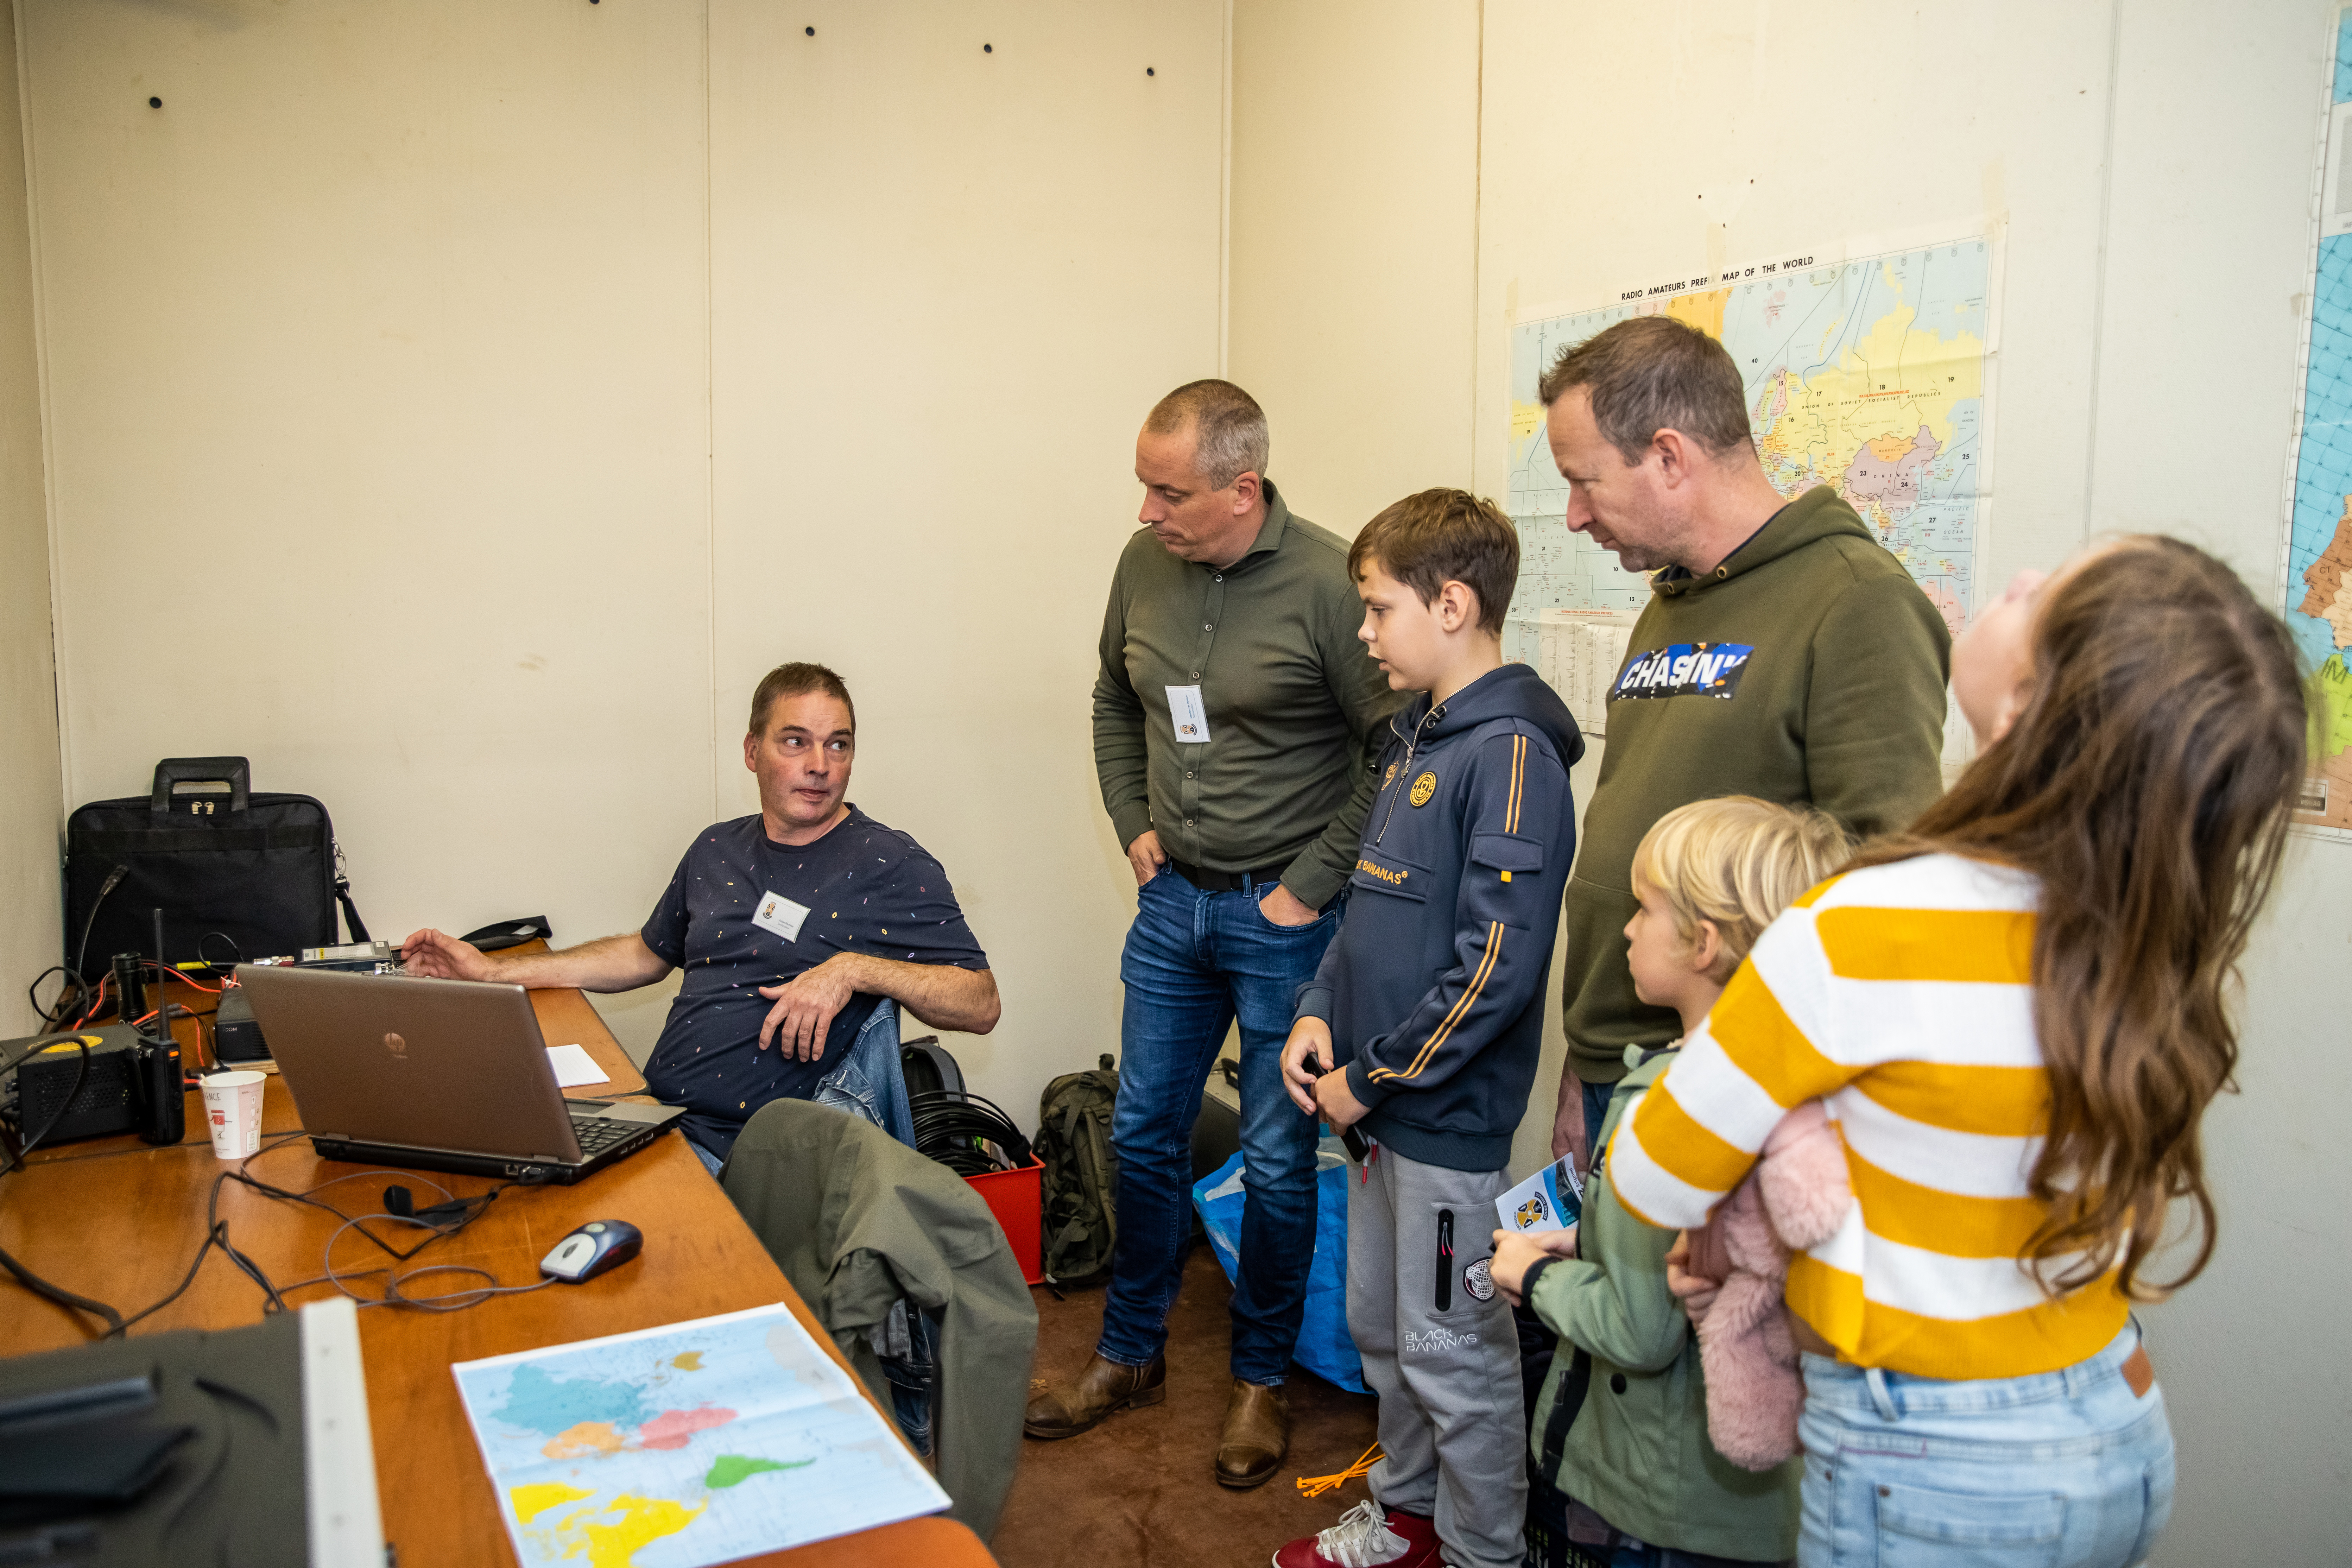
x=870 y=1082
x=1596 y=1111
x=2060 y=1470
x=1194 y=962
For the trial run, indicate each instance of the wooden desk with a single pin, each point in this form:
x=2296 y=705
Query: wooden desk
x=117 y=1220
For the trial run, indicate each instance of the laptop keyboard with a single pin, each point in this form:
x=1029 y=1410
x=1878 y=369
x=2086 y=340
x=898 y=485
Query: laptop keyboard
x=598 y=1133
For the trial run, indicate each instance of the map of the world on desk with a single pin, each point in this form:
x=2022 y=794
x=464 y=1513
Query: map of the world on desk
x=1867 y=372
x=692 y=1444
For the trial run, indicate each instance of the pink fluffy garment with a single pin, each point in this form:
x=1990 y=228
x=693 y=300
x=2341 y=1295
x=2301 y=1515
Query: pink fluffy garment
x=1795 y=1199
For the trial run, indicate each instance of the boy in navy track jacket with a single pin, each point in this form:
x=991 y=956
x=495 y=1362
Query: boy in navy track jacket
x=1431 y=997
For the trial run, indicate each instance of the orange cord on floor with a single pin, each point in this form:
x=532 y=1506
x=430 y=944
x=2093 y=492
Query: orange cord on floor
x=1315 y=1486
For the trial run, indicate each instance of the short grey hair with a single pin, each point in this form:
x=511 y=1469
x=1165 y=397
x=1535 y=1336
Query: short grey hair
x=1229 y=424
x=1650 y=374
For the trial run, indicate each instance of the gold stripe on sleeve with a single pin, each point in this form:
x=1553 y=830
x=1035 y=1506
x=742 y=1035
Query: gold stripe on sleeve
x=1461 y=1008
x=1993 y=947
x=1683 y=1146
x=2044 y=1337
x=1813 y=896
x=1999 y=1102
x=1951 y=1224
x=1747 y=1021
x=1518 y=778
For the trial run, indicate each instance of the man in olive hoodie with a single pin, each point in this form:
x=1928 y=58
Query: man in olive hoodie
x=1784 y=654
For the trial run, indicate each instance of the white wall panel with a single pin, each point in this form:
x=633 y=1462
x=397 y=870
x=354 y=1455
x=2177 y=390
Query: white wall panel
x=1353 y=251
x=378 y=397
x=31 y=811
x=948 y=283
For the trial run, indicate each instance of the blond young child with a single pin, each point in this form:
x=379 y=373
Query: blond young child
x=1621 y=1429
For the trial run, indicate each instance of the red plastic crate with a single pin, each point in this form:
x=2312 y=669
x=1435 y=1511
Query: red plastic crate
x=1014 y=1197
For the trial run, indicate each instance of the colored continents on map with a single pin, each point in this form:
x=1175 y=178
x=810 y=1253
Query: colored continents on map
x=597 y=1419
x=2326 y=578
x=2329 y=598
x=1867 y=375
x=731 y=1469
x=2319 y=538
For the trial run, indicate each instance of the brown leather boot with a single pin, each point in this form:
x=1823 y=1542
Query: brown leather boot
x=1256 y=1436
x=1065 y=1410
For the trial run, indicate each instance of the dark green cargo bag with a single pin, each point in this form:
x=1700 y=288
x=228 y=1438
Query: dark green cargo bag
x=1081 y=1179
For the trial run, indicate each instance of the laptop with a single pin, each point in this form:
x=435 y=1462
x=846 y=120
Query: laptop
x=435 y=1075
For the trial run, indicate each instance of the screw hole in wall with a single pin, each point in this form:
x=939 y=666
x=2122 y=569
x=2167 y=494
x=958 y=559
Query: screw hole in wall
x=988 y=48
x=1149 y=71
x=810 y=31
x=154 y=103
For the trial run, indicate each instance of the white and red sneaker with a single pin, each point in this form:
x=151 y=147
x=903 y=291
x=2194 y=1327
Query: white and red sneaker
x=1366 y=1537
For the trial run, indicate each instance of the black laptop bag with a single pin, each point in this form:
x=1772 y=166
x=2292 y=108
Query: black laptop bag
x=238 y=876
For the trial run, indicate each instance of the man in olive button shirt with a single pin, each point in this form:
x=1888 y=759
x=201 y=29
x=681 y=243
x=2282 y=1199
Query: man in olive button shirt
x=1237 y=720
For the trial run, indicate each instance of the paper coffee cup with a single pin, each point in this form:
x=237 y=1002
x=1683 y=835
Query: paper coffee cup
x=232 y=1106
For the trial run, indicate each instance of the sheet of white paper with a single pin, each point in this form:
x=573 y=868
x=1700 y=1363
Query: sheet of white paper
x=573 y=1067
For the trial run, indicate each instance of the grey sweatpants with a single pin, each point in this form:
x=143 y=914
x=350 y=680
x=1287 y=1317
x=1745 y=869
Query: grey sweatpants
x=1441 y=1351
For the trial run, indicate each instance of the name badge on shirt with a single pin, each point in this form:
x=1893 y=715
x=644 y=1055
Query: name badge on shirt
x=780 y=914
x=1186 y=714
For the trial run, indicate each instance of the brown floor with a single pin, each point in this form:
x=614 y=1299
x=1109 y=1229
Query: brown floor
x=1136 y=1492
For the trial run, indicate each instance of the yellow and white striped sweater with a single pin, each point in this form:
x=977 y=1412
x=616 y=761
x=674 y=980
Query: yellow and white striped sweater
x=1900 y=995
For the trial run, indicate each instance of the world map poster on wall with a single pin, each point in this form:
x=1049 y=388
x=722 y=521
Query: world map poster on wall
x=2318 y=574
x=1868 y=372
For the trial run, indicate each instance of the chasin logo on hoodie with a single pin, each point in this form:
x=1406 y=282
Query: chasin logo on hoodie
x=1685 y=669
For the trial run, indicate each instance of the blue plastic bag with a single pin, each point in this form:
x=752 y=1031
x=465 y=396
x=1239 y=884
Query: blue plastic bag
x=1325 y=1348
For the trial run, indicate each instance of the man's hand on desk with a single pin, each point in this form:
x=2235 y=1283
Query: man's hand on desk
x=439 y=956
x=620 y=963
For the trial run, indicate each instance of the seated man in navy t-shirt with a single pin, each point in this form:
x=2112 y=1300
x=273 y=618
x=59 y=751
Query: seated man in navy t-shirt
x=792 y=926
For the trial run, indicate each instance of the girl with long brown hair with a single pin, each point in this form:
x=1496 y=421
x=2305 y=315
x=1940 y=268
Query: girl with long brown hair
x=2017 y=1014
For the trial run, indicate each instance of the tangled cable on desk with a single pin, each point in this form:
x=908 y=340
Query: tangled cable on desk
x=443 y=1220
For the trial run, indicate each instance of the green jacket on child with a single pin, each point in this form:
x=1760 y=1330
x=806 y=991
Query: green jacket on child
x=1637 y=1452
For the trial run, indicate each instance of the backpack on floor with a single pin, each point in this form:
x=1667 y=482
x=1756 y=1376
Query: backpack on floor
x=1080 y=1189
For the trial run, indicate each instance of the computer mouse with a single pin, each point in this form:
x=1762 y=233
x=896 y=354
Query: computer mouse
x=599 y=1245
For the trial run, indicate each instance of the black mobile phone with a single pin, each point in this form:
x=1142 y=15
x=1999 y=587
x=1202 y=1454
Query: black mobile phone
x=1444 y=1259
x=1358 y=1150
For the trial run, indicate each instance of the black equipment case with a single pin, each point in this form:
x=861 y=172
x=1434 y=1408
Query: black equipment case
x=238 y=876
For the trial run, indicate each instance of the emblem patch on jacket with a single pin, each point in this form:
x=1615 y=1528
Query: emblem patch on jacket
x=1388 y=777
x=1479 y=1280
x=1422 y=788
x=1685 y=669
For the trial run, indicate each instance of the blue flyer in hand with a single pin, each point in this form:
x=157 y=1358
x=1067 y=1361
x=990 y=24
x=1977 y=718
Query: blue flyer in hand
x=1551 y=1199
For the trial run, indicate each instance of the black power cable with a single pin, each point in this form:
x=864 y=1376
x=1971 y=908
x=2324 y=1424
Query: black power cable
x=81 y=1074
x=113 y=881
x=71 y=986
x=953 y=1127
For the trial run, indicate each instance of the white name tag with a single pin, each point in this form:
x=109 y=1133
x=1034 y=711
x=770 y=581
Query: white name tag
x=1186 y=713
x=780 y=914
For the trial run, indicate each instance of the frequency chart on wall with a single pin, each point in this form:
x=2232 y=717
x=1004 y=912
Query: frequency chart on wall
x=1866 y=370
